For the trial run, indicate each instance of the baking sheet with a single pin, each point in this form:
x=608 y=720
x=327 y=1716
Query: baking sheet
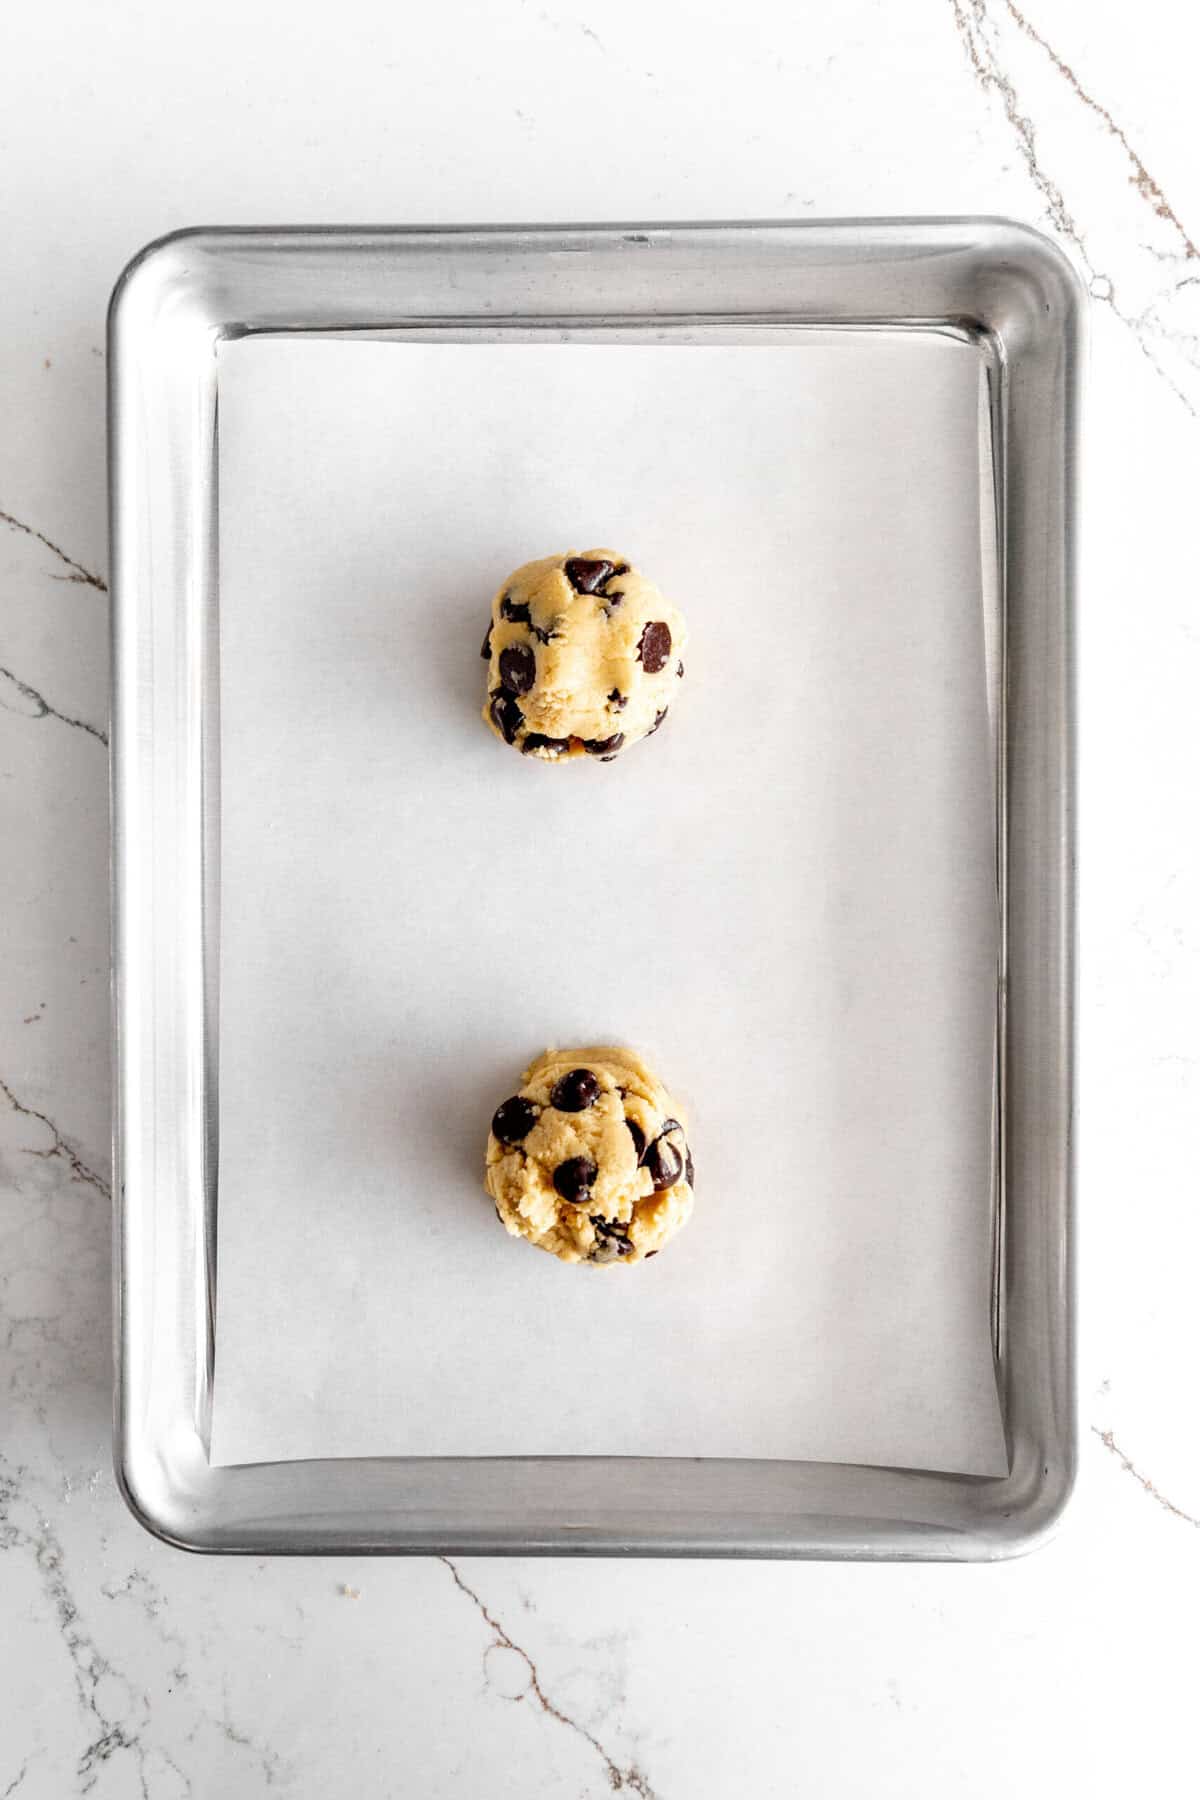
x=787 y=900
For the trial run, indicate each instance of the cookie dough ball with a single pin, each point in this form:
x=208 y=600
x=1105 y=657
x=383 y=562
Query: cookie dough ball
x=590 y=1160
x=584 y=657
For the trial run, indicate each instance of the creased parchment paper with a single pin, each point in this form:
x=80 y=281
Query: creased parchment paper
x=787 y=900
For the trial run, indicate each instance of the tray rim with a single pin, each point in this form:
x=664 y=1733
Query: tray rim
x=1001 y=282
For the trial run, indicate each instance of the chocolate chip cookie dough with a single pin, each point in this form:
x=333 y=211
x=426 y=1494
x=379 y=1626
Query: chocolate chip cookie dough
x=584 y=657
x=590 y=1159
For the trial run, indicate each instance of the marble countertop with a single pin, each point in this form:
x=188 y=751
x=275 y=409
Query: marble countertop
x=130 y=1669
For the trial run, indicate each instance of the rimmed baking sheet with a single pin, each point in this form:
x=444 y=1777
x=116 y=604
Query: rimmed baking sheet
x=854 y=837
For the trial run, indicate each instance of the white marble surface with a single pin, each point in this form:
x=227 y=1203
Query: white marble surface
x=127 y=1669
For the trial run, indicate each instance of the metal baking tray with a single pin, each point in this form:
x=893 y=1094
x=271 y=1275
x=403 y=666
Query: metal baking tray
x=1011 y=294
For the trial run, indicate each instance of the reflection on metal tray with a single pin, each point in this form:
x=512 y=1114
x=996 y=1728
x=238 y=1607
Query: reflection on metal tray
x=999 y=286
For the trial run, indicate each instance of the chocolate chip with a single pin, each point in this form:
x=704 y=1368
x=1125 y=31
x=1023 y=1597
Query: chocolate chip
x=658 y=719
x=679 y=671
x=575 y=1091
x=507 y=716
x=543 y=637
x=517 y=668
x=609 y=1250
x=613 y=597
x=649 y=1254
x=654 y=646
x=638 y=1136
x=664 y=1163
x=621 y=569
x=516 y=610
x=612 y=1232
x=689 y=1169
x=670 y=1125
x=606 y=747
x=586 y=575
x=533 y=740
x=609 y=1227
x=487 y=645
x=617 y=700
x=514 y=1120
x=574 y=1179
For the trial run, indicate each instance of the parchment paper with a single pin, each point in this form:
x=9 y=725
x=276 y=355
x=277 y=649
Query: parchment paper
x=787 y=900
